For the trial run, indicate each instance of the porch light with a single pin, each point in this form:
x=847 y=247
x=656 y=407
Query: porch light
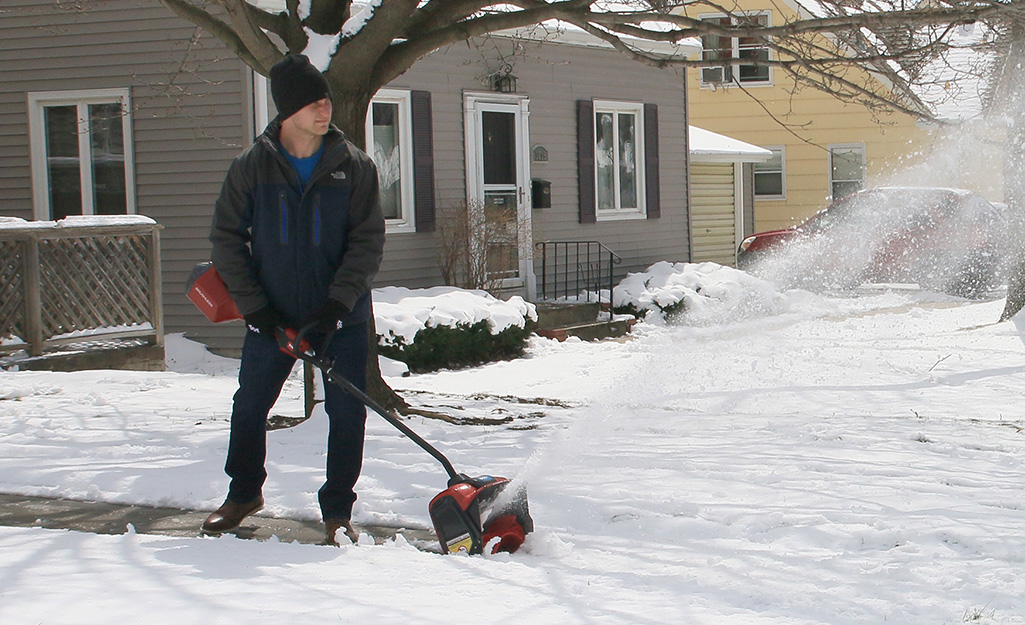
x=503 y=82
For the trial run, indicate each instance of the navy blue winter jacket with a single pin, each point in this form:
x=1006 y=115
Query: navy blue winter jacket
x=275 y=242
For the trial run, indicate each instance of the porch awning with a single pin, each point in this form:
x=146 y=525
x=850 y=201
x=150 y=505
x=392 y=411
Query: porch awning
x=711 y=147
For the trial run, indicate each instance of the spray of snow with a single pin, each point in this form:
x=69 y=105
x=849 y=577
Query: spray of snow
x=702 y=294
x=948 y=240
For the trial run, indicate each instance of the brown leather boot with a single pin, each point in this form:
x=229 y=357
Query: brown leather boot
x=333 y=525
x=230 y=515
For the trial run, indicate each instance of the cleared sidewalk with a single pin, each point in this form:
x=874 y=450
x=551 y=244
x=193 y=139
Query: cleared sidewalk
x=107 y=518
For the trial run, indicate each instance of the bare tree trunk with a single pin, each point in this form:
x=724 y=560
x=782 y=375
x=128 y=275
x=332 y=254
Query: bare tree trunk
x=1012 y=91
x=349 y=113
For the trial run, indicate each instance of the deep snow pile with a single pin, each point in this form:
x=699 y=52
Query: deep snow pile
x=852 y=461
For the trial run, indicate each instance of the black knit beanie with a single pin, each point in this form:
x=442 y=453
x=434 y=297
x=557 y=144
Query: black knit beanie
x=296 y=83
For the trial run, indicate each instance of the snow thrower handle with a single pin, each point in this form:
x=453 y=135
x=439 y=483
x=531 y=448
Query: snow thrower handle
x=294 y=344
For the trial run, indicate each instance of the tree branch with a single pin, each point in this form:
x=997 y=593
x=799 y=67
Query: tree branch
x=215 y=27
x=252 y=37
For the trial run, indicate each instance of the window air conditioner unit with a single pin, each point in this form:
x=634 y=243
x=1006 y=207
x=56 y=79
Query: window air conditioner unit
x=713 y=75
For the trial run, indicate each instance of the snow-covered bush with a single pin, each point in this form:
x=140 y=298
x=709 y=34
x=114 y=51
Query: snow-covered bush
x=698 y=294
x=447 y=327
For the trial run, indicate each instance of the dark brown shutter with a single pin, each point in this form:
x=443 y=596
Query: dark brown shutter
x=585 y=160
x=653 y=198
x=423 y=160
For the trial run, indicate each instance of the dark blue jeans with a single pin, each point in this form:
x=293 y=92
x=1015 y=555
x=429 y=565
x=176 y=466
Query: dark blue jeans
x=263 y=371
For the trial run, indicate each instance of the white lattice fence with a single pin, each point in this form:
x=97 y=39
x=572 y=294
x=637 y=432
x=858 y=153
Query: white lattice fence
x=63 y=283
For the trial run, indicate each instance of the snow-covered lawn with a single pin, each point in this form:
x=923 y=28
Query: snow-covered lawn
x=830 y=461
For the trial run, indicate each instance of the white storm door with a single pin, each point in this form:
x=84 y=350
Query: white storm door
x=498 y=187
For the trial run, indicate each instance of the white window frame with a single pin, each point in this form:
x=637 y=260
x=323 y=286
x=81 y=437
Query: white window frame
x=261 y=103
x=782 y=149
x=735 y=45
x=829 y=164
x=618 y=213
x=37 y=102
x=406 y=222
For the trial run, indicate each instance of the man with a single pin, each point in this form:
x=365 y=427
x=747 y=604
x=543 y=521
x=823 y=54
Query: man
x=298 y=236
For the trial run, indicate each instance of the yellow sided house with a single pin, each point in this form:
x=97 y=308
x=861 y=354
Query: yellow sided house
x=821 y=147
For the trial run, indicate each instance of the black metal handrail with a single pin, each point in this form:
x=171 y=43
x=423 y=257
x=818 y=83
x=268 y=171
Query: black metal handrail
x=576 y=269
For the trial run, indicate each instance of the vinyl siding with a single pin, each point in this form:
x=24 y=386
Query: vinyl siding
x=183 y=143
x=806 y=121
x=553 y=76
x=187 y=133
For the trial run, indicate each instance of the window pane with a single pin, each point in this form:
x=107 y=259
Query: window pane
x=627 y=160
x=769 y=174
x=750 y=48
x=388 y=157
x=768 y=183
x=62 y=161
x=773 y=164
x=605 y=160
x=841 y=189
x=106 y=139
x=499 y=138
x=501 y=234
x=847 y=163
x=752 y=73
x=715 y=47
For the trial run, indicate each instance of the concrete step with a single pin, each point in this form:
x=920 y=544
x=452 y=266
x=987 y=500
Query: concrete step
x=593 y=331
x=558 y=315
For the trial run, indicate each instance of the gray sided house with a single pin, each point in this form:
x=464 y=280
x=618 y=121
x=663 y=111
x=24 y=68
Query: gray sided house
x=563 y=139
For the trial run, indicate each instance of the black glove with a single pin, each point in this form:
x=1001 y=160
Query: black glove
x=264 y=321
x=326 y=317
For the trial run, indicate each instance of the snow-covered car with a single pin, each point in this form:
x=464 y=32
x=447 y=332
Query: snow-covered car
x=948 y=240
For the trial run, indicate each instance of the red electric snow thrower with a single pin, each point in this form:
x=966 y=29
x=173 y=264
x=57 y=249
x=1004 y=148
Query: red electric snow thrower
x=457 y=512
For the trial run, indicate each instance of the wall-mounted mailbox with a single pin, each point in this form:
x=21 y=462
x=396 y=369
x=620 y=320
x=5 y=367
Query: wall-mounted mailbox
x=541 y=193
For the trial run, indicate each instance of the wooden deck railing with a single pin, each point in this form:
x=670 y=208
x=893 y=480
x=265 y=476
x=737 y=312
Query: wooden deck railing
x=79 y=280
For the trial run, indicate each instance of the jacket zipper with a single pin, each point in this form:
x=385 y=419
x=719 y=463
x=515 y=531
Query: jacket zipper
x=284 y=217
x=316 y=219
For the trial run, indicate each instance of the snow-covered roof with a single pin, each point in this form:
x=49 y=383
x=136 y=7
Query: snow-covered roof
x=711 y=147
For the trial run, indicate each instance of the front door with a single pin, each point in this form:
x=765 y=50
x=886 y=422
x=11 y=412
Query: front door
x=498 y=191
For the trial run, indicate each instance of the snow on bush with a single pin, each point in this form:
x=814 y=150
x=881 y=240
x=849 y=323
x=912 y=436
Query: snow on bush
x=400 y=312
x=701 y=294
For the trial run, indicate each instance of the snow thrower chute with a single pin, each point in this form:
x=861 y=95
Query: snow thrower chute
x=457 y=512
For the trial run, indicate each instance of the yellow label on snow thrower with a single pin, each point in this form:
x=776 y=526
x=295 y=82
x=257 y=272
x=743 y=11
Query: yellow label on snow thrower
x=464 y=543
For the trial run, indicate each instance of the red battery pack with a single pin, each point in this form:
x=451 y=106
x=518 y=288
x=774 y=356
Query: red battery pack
x=208 y=292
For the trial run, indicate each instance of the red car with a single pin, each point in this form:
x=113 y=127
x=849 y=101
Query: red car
x=947 y=240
